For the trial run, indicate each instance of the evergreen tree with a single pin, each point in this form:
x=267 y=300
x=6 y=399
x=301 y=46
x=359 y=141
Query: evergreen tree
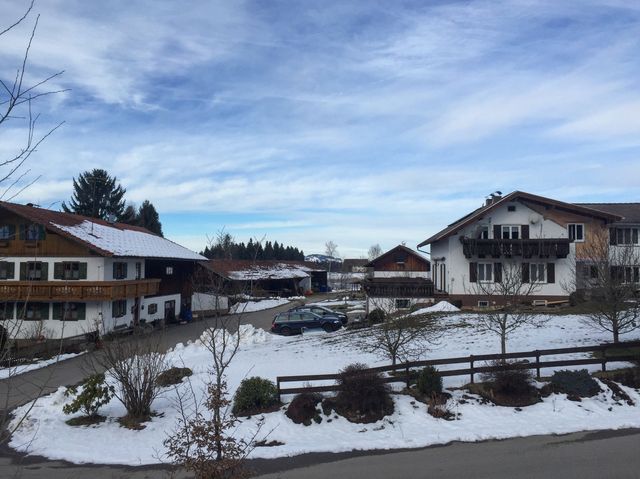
x=130 y=215
x=148 y=218
x=98 y=195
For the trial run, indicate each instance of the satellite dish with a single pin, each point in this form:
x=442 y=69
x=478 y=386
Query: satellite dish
x=534 y=218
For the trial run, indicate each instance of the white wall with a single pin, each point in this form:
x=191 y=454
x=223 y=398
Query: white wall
x=402 y=274
x=209 y=302
x=159 y=301
x=388 y=305
x=131 y=267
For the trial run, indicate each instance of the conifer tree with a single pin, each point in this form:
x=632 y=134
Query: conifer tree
x=98 y=195
x=148 y=218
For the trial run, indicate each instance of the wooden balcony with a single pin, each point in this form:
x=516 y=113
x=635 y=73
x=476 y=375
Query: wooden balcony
x=77 y=290
x=398 y=287
x=509 y=248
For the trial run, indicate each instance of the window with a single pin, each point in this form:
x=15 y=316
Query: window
x=119 y=308
x=483 y=232
x=6 y=311
x=7 y=232
x=152 y=308
x=69 y=311
x=627 y=235
x=169 y=270
x=138 y=270
x=119 y=270
x=537 y=273
x=7 y=270
x=485 y=272
x=631 y=274
x=403 y=303
x=576 y=232
x=483 y=304
x=34 y=311
x=33 y=232
x=510 y=232
x=71 y=270
x=511 y=208
x=36 y=271
x=593 y=272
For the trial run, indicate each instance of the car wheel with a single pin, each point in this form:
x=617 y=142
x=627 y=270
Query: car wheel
x=285 y=331
x=328 y=328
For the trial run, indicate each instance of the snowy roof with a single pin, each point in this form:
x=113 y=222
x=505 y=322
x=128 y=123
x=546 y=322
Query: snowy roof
x=107 y=239
x=243 y=270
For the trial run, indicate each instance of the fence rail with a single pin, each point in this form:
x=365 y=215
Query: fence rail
x=405 y=372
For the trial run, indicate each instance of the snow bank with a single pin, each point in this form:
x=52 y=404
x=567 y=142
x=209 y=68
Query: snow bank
x=252 y=306
x=441 y=307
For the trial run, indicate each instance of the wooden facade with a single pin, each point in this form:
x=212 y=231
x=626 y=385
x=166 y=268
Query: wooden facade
x=508 y=248
x=400 y=259
x=77 y=290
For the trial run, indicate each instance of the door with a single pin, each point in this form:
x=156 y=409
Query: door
x=170 y=311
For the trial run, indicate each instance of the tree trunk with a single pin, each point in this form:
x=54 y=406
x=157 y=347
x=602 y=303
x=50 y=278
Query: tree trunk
x=616 y=333
x=503 y=343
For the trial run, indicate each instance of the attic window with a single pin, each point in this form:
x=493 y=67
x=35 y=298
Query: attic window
x=400 y=257
x=169 y=270
x=511 y=208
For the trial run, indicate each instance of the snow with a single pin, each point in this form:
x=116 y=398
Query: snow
x=128 y=242
x=251 y=306
x=266 y=355
x=442 y=306
x=24 y=368
x=277 y=271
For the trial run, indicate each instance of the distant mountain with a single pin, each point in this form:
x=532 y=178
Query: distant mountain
x=322 y=258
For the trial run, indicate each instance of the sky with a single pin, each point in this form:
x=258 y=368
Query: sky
x=359 y=122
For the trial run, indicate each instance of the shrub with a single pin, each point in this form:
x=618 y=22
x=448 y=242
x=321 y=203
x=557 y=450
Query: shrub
x=363 y=395
x=303 y=408
x=429 y=381
x=574 y=383
x=95 y=393
x=376 y=316
x=173 y=376
x=510 y=380
x=254 y=395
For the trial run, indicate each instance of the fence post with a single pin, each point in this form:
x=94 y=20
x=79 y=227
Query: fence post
x=279 y=393
x=408 y=378
x=538 y=365
x=471 y=367
x=604 y=358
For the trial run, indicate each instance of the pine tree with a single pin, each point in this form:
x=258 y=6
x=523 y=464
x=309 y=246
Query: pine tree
x=148 y=218
x=98 y=195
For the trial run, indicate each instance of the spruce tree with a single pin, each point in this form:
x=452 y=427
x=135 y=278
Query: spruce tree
x=148 y=218
x=98 y=195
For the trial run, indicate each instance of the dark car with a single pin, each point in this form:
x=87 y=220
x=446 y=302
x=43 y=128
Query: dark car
x=292 y=322
x=322 y=311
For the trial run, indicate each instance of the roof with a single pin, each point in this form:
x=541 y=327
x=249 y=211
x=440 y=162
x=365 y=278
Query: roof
x=244 y=270
x=518 y=195
x=630 y=212
x=106 y=239
x=400 y=248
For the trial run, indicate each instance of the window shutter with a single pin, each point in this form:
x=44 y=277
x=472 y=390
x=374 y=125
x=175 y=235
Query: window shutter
x=525 y=272
x=634 y=234
x=551 y=273
x=114 y=271
x=45 y=271
x=124 y=270
x=44 y=310
x=524 y=229
x=613 y=236
x=23 y=231
x=473 y=272
x=23 y=271
x=57 y=270
x=12 y=231
x=41 y=232
x=11 y=270
x=497 y=232
x=57 y=309
x=81 y=308
x=497 y=272
x=83 y=271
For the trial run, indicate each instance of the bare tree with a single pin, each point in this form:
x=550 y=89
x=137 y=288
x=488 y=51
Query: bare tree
x=400 y=338
x=374 y=251
x=508 y=289
x=330 y=249
x=608 y=275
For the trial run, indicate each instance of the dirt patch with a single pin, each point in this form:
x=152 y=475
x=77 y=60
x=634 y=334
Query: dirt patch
x=86 y=420
x=486 y=391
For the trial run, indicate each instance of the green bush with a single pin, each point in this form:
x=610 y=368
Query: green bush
x=303 y=408
x=574 y=383
x=376 y=316
x=363 y=395
x=429 y=381
x=510 y=380
x=173 y=376
x=95 y=393
x=254 y=395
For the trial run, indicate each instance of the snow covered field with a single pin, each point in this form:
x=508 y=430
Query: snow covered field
x=266 y=355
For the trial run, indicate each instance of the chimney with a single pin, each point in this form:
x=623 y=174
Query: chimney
x=493 y=198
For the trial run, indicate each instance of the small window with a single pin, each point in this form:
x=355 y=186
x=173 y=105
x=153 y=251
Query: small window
x=71 y=270
x=483 y=304
x=34 y=311
x=511 y=208
x=7 y=232
x=119 y=270
x=35 y=271
x=485 y=272
x=152 y=308
x=7 y=270
x=403 y=303
x=138 y=270
x=537 y=272
x=483 y=232
x=69 y=311
x=627 y=236
x=169 y=270
x=510 y=232
x=33 y=232
x=576 y=232
x=119 y=308
x=593 y=272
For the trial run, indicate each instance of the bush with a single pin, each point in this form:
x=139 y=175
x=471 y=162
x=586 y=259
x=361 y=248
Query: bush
x=376 y=316
x=510 y=381
x=95 y=393
x=254 y=395
x=363 y=395
x=574 y=383
x=303 y=408
x=429 y=381
x=173 y=376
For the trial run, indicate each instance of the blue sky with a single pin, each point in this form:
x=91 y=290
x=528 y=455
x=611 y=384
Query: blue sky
x=359 y=122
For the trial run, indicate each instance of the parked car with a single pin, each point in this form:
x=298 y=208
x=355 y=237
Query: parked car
x=322 y=311
x=292 y=322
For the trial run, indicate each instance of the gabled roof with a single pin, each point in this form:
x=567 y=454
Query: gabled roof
x=244 y=270
x=398 y=249
x=518 y=195
x=102 y=237
x=630 y=212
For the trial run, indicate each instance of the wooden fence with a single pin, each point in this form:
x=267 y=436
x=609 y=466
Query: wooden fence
x=406 y=372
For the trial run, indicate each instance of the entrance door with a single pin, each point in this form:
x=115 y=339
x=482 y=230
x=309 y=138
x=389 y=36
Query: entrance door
x=170 y=311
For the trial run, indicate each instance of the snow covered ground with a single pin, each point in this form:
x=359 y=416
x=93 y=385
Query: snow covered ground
x=23 y=368
x=252 y=306
x=266 y=355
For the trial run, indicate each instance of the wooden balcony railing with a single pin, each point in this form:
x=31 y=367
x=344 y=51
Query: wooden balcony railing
x=77 y=290
x=394 y=288
x=526 y=248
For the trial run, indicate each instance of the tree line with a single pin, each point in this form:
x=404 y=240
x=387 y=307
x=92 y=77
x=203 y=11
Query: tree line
x=227 y=248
